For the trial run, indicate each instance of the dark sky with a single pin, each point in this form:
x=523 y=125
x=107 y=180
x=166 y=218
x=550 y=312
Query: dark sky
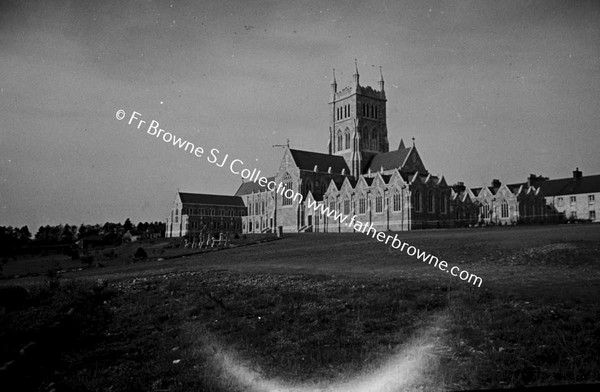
x=489 y=89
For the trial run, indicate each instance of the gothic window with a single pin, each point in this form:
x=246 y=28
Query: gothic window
x=485 y=210
x=430 y=202
x=362 y=205
x=364 y=111
x=504 y=209
x=374 y=140
x=332 y=205
x=347 y=138
x=346 y=206
x=339 y=140
x=417 y=201
x=397 y=201
x=375 y=111
x=323 y=186
x=443 y=203
x=378 y=203
x=288 y=184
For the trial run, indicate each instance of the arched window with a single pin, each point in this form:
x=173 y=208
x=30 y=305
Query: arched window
x=362 y=204
x=323 y=186
x=378 y=203
x=347 y=138
x=374 y=137
x=339 y=140
x=504 y=209
x=332 y=204
x=430 y=202
x=346 y=206
x=288 y=184
x=417 y=200
x=397 y=201
x=484 y=210
x=443 y=203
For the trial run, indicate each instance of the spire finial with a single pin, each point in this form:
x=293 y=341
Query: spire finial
x=356 y=66
x=413 y=139
x=380 y=73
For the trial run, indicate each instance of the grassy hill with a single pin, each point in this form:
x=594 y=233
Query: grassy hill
x=339 y=312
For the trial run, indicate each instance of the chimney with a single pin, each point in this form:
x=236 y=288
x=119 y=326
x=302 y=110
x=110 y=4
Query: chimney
x=534 y=179
x=496 y=183
x=577 y=174
x=459 y=187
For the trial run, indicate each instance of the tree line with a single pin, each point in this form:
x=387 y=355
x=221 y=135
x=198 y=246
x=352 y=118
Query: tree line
x=15 y=238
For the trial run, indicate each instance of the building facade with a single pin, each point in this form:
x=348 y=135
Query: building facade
x=571 y=198
x=360 y=177
x=357 y=176
x=501 y=204
x=196 y=214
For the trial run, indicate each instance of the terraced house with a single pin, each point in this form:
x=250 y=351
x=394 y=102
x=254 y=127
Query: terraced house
x=572 y=198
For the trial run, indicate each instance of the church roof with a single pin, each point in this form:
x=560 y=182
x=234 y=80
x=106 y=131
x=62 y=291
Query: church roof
x=306 y=160
x=252 y=187
x=389 y=160
x=210 y=199
x=569 y=186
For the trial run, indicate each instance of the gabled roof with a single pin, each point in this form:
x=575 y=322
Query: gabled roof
x=389 y=160
x=252 y=187
x=210 y=199
x=306 y=160
x=570 y=186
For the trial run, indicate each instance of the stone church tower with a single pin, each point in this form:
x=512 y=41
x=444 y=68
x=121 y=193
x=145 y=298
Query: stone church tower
x=358 y=127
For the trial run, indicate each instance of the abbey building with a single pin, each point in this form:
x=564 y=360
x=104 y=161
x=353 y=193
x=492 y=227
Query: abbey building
x=358 y=176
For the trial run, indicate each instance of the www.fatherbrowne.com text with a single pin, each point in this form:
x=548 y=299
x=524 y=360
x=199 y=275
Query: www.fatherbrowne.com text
x=236 y=166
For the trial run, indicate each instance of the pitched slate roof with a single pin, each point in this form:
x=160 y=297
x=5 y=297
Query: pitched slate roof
x=216 y=200
x=252 y=187
x=306 y=160
x=388 y=160
x=570 y=186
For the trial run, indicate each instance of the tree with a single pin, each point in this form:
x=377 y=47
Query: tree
x=127 y=225
x=83 y=230
x=25 y=234
x=68 y=234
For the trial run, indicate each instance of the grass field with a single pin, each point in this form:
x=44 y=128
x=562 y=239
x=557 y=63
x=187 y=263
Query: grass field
x=335 y=312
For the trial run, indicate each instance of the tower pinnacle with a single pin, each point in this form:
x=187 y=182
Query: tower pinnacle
x=356 y=72
x=334 y=83
x=381 y=82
